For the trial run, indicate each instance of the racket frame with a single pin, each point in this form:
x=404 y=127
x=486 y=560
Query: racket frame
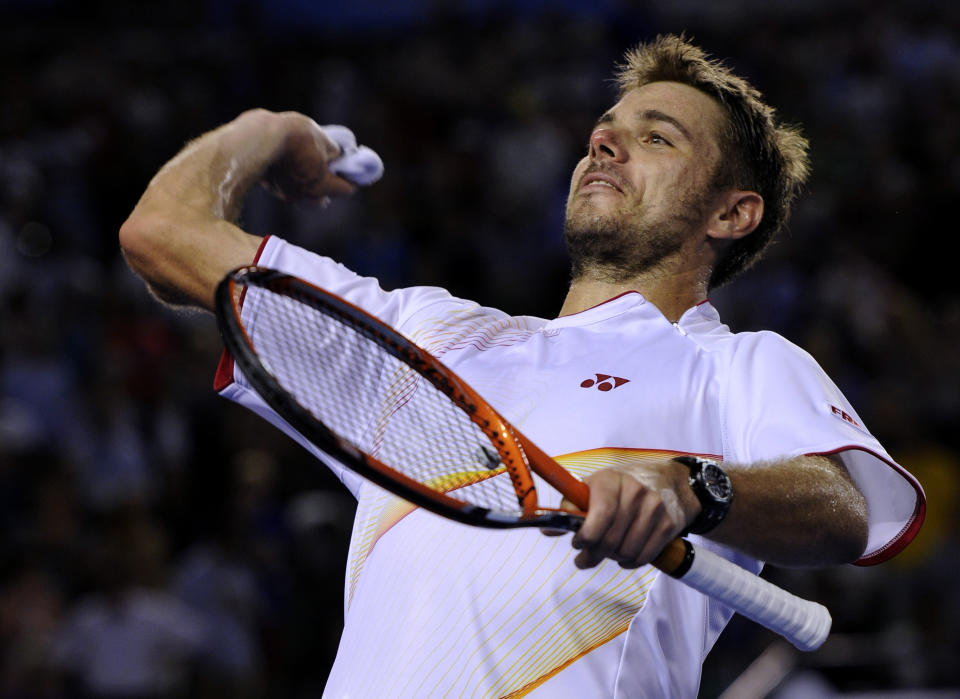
x=511 y=450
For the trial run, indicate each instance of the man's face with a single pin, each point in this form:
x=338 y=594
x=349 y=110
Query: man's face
x=644 y=188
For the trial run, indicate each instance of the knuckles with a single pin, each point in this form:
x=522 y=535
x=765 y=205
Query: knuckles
x=628 y=518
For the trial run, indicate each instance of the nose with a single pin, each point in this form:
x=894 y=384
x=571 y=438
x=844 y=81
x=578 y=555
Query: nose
x=605 y=145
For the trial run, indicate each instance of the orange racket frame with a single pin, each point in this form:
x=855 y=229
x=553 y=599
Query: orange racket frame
x=518 y=454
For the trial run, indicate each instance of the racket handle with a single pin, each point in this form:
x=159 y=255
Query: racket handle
x=804 y=623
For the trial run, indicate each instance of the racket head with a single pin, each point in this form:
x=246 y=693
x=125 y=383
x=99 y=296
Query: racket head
x=459 y=458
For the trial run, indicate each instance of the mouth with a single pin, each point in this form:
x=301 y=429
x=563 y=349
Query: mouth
x=599 y=182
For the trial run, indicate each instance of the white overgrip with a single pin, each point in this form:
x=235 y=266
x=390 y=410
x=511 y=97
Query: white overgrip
x=804 y=623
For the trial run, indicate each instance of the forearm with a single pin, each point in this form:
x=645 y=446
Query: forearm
x=800 y=512
x=181 y=237
x=209 y=179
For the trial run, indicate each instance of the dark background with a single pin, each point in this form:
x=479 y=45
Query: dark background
x=121 y=471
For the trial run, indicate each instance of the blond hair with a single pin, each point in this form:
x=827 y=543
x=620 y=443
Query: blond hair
x=757 y=153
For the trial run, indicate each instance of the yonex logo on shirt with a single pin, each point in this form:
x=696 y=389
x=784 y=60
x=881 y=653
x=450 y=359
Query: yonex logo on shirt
x=604 y=382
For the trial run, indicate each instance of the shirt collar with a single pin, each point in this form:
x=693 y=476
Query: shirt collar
x=610 y=308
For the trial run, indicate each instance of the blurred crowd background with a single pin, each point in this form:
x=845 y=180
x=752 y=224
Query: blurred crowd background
x=156 y=541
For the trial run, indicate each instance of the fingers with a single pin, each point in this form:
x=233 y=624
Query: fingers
x=629 y=520
x=602 y=530
x=315 y=163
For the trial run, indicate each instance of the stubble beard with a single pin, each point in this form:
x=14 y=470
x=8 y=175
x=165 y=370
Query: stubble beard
x=626 y=244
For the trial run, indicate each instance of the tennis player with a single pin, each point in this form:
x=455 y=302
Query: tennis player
x=677 y=424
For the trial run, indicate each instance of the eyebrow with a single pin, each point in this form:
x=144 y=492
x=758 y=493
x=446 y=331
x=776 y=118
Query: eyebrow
x=648 y=115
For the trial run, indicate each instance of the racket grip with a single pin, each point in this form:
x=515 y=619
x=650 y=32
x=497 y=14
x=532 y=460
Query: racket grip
x=804 y=623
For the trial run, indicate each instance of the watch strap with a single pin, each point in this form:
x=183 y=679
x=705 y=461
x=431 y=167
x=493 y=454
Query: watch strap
x=714 y=505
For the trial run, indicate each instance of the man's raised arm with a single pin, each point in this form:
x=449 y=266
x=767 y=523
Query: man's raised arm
x=181 y=237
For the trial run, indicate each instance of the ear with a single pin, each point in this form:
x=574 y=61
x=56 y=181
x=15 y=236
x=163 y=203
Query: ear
x=736 y=214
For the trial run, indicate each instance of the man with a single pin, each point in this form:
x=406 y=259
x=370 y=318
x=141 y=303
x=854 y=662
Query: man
x=685 y=180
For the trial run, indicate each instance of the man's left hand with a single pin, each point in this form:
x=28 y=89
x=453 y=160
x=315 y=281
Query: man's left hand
x=635 y=511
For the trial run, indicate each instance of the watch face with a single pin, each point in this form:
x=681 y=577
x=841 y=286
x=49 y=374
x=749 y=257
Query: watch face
x=716 y=482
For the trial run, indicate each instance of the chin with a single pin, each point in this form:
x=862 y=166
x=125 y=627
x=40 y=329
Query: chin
x=595 y=209
x=590 y=223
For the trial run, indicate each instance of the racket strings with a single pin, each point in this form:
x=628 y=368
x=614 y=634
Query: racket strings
x=375 y=401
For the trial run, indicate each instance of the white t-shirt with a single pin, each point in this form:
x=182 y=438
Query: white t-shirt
x=434 y=608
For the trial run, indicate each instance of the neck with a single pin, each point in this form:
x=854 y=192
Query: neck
x=672 y=294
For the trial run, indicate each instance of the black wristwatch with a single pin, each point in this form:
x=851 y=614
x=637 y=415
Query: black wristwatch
x=713 y=489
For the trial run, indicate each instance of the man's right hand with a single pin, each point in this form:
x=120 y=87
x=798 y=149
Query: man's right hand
x=301 y=170
x=181 y=237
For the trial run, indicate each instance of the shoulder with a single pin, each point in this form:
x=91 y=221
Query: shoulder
x=412 y=310
x=771 y=362
x=758 y=362
x=450 y=323
x=768 y=346
x=703 y=326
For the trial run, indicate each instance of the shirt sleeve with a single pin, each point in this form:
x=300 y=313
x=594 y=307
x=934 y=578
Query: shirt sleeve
x=779 y=403
x=395 y=308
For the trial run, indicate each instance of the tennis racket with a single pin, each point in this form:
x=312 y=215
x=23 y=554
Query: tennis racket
x=390 y=411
